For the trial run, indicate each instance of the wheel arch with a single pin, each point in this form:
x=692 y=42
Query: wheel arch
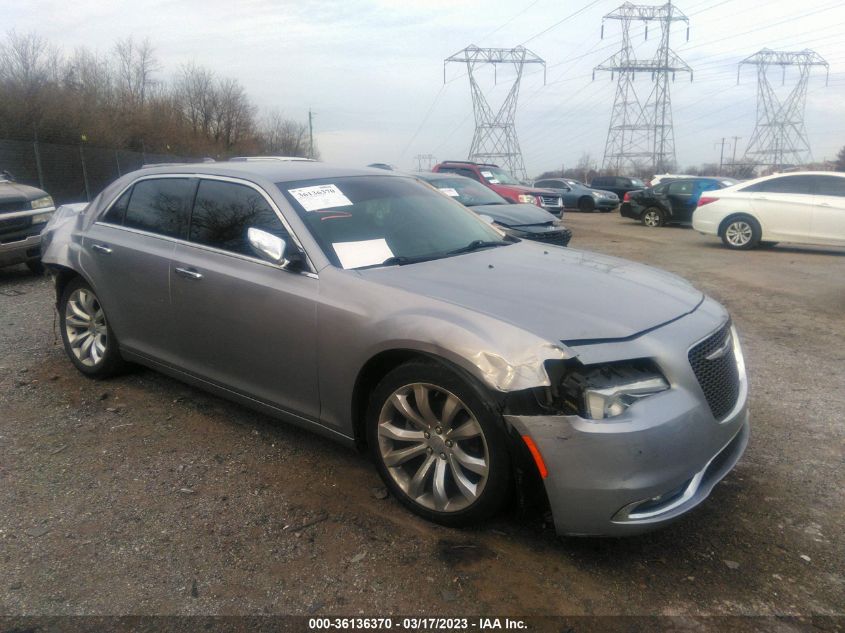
x=381 y=364
x=738 y=214
x=62 y=276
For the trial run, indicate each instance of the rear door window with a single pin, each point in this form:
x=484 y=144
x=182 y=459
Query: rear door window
x=784 y=184
x=830 y=186
x=160 y=206
x=223 y=213
x=683 y=188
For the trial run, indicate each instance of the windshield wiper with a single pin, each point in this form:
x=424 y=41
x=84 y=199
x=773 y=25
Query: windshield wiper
x=476 y=245
x=400 y=260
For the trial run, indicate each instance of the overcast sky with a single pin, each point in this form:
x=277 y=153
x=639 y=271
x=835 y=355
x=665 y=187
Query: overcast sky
x=372 y=70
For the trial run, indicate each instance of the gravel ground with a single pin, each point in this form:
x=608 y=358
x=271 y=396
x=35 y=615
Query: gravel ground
x=140 y=495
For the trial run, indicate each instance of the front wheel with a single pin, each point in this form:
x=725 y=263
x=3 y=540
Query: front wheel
x=586 y=204
x=653 y=217
x=741 y=232
x=88 y=340
x=439 y=444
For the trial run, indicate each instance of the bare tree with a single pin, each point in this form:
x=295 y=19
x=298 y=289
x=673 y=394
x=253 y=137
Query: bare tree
x=283 y=137
x=136 y=64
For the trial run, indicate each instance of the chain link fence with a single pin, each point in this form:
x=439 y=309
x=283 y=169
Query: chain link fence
x=72 y=173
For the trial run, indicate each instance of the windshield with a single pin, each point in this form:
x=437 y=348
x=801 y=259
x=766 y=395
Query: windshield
x=466 y=191
x=497 y=176
x=363 y=221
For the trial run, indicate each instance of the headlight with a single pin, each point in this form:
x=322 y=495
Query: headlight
x=41 y=218
x=609 y=402
x=527 y=198
x=607 y=391
x=42 y=203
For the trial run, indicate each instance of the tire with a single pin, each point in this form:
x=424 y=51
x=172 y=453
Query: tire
x=35 y=267
x=741 y=232
x=586 y=204
x=653 y=217
x=447 y=460
x=88 y=339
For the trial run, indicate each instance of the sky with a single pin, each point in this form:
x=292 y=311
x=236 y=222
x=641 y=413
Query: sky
x=372 y=71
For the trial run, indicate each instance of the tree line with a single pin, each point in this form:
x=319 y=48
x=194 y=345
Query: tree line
x=120 y=100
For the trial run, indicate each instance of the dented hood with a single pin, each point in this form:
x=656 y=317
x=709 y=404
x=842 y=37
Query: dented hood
x=559 y=294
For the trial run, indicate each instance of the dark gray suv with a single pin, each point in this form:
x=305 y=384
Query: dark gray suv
x=369 y=307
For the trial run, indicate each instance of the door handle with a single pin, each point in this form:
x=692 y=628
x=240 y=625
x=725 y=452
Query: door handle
x=188 y=273
x=101 y=248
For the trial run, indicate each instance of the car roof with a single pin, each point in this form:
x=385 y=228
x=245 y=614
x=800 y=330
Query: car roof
x=275 y=171
x=434 y=175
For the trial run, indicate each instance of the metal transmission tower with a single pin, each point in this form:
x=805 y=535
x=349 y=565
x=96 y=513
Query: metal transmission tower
x=779 y=136
x=640 y=133
x=495 y=133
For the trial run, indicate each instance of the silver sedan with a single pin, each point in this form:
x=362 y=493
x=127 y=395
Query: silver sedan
x=365 y=306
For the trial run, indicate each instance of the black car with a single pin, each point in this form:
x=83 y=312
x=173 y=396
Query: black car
x=620 y=185
x=577 y=195
x=670 y=202
x=526 y=221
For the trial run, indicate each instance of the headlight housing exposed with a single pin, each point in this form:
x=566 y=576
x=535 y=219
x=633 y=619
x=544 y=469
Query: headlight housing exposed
x=42 y=203
x=527 y=198
x=606 y=391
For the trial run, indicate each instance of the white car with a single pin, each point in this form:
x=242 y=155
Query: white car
x=803 y=208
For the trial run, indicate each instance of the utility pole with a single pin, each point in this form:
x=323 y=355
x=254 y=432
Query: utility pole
x=779 y=136
x=310 y=134
x=736 y=142
x=495 y=132
x=641 y=128
x=428 y=158
x=721 y=155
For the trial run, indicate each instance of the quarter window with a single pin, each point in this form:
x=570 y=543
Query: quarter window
x=160 y=206
x=830 y=186
x=224 y=212
x=117 y=211
x=784 y=184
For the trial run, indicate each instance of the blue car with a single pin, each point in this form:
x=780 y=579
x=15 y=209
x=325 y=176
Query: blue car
x=671 y=202
x=577 y=195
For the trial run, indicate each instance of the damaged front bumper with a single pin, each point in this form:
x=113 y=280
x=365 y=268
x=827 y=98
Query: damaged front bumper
x=653 y=463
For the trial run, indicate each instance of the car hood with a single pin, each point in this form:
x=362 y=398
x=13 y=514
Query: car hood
x=14 y=192
x=515 y=214
x=559 y=294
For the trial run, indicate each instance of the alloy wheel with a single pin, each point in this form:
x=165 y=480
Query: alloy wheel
x=433 y=447
x=651 y=218
x=85 y=326
x=739 y=233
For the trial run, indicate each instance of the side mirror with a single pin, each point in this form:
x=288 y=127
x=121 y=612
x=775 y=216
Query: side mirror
x=486 y=218
x=274 y=248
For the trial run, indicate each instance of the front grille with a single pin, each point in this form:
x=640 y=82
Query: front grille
x=558 y=238
x=14 y=225
x=718 y=377
x=551 y=201
x=15 y=205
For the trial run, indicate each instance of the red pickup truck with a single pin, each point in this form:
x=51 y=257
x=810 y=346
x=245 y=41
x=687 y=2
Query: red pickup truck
x=503 y=183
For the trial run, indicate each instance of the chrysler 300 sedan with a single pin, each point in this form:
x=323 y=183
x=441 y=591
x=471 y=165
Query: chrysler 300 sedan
x=370 y=308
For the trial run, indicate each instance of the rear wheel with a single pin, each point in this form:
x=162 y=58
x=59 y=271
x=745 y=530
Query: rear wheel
x=741 y=232
x=653 y=217
x=89 y=341
x=586 y=204
x=438 y=444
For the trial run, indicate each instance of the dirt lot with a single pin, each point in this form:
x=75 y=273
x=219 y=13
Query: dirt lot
x=143 y=496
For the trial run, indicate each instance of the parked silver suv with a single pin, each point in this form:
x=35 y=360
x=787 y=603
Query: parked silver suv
x=366 y=306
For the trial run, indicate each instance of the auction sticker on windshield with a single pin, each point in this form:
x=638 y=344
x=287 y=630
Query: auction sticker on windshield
x=320 y=197
x=450 y=192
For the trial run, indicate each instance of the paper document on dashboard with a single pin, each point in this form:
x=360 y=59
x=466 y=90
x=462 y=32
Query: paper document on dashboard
x=363 y=253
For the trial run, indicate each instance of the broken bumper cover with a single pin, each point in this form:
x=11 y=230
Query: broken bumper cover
x=638 y=472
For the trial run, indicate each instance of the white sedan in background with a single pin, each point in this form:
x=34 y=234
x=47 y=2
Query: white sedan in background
x=804 y=208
